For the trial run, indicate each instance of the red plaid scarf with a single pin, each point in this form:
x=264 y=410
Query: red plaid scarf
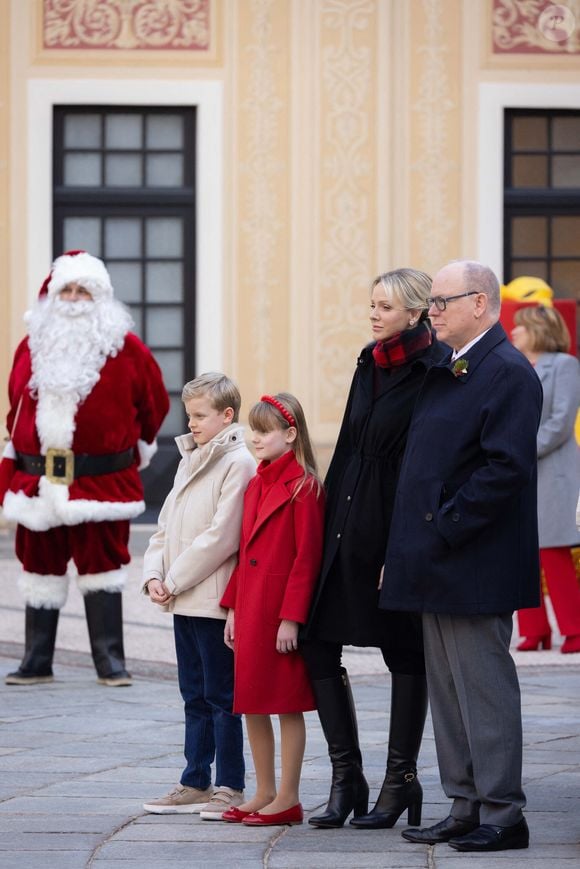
x=403 y=347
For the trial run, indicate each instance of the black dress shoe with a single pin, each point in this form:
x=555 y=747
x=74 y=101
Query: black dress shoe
x=443 y=831
x=491 y=838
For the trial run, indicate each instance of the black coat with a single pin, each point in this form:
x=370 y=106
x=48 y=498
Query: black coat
x=360 y=487
x=464 y=536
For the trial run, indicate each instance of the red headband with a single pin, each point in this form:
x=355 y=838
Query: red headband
x=269 y=399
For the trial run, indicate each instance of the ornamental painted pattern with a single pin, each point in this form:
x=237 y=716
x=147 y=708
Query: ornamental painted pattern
x=348 y=39
x=126 y=24
x=536 y=27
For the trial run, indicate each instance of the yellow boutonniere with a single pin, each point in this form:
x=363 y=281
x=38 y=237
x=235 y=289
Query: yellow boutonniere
x=460 y=367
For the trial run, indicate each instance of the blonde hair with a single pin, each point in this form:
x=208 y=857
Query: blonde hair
x=222 y=392
x=265 y=417
x=546 y=327
x=409 y=288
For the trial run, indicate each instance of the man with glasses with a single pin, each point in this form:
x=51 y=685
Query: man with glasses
x=463 y=550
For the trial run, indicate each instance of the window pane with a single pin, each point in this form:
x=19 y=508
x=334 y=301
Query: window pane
x=566 y=134
x=164 y=131
x=566 y=236
x=126 y=278
x=124 y=131
x=530 y=171
x=530 y=133
x=174 y=423
x=171 y=363
x=164 y=282
x=566 y=171
x=82 y=170
x=529 y=236
x=82 y=233
x=164 y=170
x=164 y=327
x=123 y=237
x=137 y=314
x=531 y=268
x=123 y=170
x=82 y=131
x=566 y=279
x=164 y=237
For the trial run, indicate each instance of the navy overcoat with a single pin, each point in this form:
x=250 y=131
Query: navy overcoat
x=464 y=532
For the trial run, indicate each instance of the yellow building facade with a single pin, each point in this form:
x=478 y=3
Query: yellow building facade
x=335 y=139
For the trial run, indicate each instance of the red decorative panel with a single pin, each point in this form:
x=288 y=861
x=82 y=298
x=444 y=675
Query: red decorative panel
x=536 y=27
x=176 y=25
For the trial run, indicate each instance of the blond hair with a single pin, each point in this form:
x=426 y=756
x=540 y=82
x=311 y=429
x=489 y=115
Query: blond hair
x=221 y=391
x=409 y=288
x=265 y=417
x=546 y=328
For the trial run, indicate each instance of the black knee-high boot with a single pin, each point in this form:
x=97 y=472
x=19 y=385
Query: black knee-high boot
x=104 y=611
x=401 y=788
x=40 y=636
x=349 y=790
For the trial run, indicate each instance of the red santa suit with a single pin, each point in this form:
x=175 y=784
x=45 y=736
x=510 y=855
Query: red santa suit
x=86 y=401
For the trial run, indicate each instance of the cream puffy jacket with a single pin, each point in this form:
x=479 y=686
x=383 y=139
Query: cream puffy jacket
x=195 y=547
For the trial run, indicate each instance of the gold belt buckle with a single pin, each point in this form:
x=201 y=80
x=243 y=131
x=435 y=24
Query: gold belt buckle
x=69 y=466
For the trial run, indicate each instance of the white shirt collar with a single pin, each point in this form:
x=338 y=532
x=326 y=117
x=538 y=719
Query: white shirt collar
x=457 y=353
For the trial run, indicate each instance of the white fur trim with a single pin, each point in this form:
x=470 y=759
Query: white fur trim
x=43 y=591
x=52 y=507
x=9 y=451
x=111 y=580
x=83 y=269
x=146 y=453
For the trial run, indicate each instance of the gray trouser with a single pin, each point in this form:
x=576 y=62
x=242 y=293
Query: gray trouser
x=475 y=705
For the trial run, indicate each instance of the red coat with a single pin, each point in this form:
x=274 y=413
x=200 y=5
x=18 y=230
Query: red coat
x=126 y=405
x=280 y=556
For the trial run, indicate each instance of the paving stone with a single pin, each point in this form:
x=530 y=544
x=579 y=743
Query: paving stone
x=77 y=761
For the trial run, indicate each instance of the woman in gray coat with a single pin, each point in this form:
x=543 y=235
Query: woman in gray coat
x=541 y=335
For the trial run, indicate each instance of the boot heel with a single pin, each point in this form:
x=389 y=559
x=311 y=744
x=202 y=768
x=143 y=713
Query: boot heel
x=361 y=807
x=414 y=814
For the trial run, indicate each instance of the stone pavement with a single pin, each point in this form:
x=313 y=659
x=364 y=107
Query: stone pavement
x=77 y=760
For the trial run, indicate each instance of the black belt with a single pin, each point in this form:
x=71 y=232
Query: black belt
x=62 y=466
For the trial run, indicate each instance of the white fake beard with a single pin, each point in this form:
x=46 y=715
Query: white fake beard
x=69 y=344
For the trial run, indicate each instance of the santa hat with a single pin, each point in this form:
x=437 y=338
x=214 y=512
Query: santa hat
x=78 y=266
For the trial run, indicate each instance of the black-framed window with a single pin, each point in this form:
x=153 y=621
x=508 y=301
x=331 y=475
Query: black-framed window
x=542 y=197
x=124 y=189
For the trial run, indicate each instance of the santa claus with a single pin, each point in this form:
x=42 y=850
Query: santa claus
x=86 y=402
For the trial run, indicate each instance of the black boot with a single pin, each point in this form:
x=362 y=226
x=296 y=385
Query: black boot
x=349 y=790
x=401 y=788
x=40 y=637
x=104 y=612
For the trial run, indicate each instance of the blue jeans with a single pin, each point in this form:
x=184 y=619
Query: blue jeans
x=205 y=669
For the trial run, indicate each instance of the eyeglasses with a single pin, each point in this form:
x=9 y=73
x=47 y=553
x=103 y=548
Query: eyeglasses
x=441 y=302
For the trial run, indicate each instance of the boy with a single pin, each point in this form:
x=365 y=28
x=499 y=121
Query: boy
x=186 y=568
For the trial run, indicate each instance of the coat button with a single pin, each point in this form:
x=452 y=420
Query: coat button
x=338 y=536
x=429 y=517
x=348 y=498
x=253 y=562
x=455 y=517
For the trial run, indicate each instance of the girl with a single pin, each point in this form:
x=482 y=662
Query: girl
x=269 y=596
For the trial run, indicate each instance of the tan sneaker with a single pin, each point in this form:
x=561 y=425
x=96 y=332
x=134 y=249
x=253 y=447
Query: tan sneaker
x=223 y=799
x=180 y=801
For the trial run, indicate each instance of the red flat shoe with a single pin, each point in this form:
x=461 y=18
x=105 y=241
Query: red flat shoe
x=571 y=644
x=531 y=644
x=294 y=815
x=235 y=815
